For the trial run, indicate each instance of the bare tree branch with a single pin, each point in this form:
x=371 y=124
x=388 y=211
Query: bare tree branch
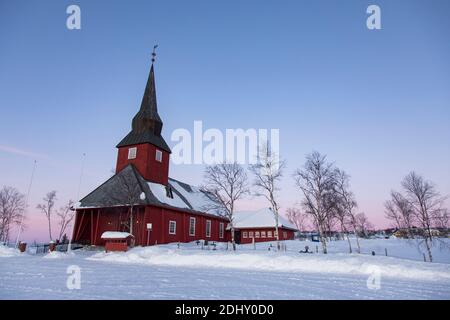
x=225 y=184
x=47 y=208
x=12 y=208
x=268 y=172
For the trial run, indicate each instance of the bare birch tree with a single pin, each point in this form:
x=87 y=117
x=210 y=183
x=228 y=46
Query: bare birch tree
x=353 y=223
x=316 y=182
x=393 y=214
x=298 y=218
x=363 y=224
x=399 y=210
x=225 y=183
x=268 y=172
x=126 y=193
x=345 y=205
x=65 y=215
x=426 y=202
x=47 y=208
x=442 y=219
x=12 y=208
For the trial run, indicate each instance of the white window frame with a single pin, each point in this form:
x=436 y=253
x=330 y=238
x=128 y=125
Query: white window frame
x=192 y=226
x=132 y=152
x=208 y=229
x=251 y=234
x=221 y=229
x=158 y=155
x=263 y=234
x=257 y=234
x=269 y=234
x=174 y=224
x=245 y=235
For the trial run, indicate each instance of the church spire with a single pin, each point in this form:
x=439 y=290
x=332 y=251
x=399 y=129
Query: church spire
x=147 y=125
x=147 y=119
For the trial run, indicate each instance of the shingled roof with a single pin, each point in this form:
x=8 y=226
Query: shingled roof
x=128 y=186
x=147 y=125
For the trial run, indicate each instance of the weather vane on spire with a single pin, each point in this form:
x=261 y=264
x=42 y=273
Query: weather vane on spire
x=154 y=53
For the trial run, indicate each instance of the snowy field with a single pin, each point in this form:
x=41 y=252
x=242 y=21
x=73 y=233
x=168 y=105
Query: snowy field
x=188 y=272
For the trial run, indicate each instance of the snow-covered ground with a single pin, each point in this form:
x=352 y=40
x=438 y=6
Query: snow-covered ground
x=188 y=272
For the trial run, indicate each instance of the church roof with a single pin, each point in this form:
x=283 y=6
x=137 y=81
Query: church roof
x=144 y=137
x=147 y=125
x=128 y=186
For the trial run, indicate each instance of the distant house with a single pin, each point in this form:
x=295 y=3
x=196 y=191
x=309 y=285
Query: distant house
x=259 y=226
x=414 y=231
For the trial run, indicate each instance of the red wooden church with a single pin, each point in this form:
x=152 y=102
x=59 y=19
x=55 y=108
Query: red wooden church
x=140 y=198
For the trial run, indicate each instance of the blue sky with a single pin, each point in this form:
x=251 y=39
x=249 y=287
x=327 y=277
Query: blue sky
x=376 y=102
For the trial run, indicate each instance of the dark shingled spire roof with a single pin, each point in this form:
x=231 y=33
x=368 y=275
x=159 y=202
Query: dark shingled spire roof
x=147 y=125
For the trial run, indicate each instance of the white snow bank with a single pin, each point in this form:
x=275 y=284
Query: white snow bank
x=280 y=262
x=58 y=255
x=6 y=252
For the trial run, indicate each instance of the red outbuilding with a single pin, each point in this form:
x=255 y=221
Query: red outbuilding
x=117 y=241
x=259 y=226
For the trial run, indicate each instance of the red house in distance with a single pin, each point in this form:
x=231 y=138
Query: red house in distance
x=259 y=226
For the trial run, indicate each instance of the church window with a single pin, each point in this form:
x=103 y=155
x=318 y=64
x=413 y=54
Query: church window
x=208 y=228
x=172 y=227
x=158 y=155
x=192 y=226
x=221 y=229
x=169 y=192
x=132 y=153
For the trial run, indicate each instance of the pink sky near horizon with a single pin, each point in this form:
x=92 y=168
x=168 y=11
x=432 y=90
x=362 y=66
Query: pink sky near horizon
x=37 y=224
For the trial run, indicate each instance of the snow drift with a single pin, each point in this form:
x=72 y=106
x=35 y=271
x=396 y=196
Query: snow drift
x=280 y=262
x=6 y=252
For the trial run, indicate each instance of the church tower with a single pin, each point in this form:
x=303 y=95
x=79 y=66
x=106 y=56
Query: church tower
x=144 y=147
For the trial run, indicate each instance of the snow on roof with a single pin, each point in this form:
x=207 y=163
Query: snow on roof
x=160 y=192
x=115 y=235
x=196 y=198
x=263 y=218
x=176 y=194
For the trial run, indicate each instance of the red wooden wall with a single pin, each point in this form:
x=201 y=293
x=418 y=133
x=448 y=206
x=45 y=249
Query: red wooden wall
x=145 y=162
x=289 y=234
x=91 y=223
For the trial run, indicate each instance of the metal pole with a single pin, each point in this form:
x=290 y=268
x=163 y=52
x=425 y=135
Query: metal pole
x=69 y=248
x=26 y=204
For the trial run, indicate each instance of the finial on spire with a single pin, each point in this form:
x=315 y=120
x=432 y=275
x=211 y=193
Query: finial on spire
x=154 y=53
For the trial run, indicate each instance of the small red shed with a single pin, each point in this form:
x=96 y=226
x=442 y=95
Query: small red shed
x=117 y=241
